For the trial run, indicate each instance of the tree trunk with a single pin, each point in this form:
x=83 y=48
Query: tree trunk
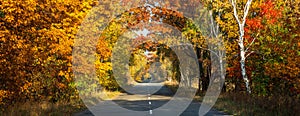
x=200 y=59
x=242 y=61
x=241 y=24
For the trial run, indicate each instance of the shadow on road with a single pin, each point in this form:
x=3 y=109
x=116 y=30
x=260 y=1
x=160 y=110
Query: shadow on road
x=147 y=102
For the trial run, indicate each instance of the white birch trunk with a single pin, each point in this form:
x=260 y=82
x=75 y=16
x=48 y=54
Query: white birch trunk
x=243 y=51
x=218 y=50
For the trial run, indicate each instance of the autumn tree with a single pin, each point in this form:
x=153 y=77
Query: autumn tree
x=243 y=50
x=36 y=47
x=273 y=25
x=264 y=31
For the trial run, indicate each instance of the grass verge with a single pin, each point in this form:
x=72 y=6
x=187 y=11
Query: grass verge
x=247 y=105
x=46 y=107
x=241 y=104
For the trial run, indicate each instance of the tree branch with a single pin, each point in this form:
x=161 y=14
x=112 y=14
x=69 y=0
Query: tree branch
x=249 y=54
x=210 y=51
x=246 y=10
x=250 y=44
x=235 y=14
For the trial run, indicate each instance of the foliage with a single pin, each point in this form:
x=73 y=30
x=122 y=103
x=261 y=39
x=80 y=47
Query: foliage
x=276 y=45
x=37 y=39
x=36 y=48
x=273 y=58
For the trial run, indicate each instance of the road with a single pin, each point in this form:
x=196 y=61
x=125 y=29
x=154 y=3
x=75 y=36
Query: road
x=147 y=99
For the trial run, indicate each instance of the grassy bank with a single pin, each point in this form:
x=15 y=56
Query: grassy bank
x=241 y=104
x=49 y=108
x=248 y=105
x=39 y=108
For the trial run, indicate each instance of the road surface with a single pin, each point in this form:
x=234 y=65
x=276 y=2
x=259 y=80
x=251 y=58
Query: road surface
x=148 y=102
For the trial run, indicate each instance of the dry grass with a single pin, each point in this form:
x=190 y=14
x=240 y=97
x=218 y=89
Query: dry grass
x=246 y=105
x=34 y=108
x=173 y=86
x=241 y=104
x=44 y=107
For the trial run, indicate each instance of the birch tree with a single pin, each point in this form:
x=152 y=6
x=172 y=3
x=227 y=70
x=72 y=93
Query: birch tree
x=243 y=50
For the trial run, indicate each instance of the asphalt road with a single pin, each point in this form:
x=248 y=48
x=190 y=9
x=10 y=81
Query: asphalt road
x=146 y=99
